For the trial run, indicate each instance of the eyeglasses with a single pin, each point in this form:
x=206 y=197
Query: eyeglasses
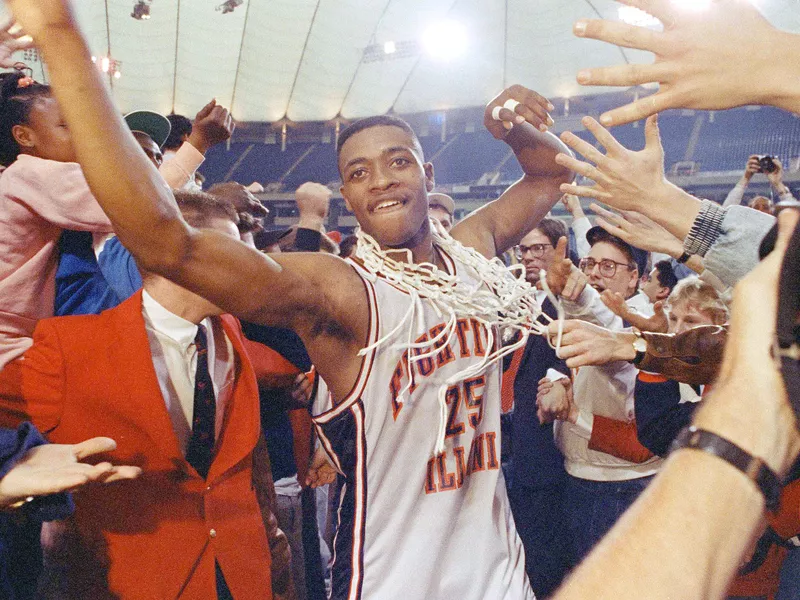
x=537 y=250
x=608 y=267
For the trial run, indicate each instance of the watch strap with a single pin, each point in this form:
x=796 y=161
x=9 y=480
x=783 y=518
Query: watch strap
x=753 y=467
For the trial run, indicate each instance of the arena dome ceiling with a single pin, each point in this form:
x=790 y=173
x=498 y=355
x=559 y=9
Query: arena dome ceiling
x=313 y=60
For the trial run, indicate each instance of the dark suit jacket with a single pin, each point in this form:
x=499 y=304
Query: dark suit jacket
x=537 y=462
x=157 y=536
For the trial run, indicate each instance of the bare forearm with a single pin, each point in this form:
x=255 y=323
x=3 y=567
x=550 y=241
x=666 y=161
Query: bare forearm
x=536 y=150
x=673 y=209
x=125 y=183
x=528 y=201
x=783 y=81
x=681 y=539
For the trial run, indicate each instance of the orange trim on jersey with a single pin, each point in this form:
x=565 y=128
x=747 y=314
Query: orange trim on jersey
x=360 y=497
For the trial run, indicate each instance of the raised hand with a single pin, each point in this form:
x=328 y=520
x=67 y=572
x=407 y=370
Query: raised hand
x=658 y=323
x=212 y=125
x=628 y=180
x=531 y=107
x=776 y=177
x=12 y=39
x=751 y=168
x=564 y=278
x=638 y=230
x=623 y=178
x=584 y=344
x=53 y=468
x=313 y=201
x=573 y=205
x=240 y=197
x=717 y=59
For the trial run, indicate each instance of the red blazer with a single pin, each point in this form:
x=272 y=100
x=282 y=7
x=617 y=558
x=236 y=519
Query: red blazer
x=156 y=537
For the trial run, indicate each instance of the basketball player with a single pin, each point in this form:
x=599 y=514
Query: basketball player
x=415 y=422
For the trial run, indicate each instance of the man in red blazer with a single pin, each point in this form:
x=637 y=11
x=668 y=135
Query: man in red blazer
x=132 y=373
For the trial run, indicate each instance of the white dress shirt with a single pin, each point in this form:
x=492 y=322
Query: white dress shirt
x=175 y=360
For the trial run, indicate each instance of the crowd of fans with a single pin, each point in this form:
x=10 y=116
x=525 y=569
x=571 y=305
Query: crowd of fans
x=639 y=304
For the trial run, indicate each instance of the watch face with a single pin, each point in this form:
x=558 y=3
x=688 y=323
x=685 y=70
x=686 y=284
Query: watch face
x=640 y=344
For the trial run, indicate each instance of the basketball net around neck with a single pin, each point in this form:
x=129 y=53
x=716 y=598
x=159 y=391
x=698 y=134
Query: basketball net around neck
x=501 y=300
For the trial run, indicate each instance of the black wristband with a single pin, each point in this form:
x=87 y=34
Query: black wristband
x=755 y=468
x=307 y=240
x=684 y=257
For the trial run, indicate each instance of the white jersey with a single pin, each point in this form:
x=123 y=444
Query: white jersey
x=413 y=526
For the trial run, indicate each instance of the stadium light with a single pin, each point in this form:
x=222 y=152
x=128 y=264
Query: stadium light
x=445 y=40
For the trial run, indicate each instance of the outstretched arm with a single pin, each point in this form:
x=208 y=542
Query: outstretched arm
x=144 y=213
x=499 y=225
x=720 y=58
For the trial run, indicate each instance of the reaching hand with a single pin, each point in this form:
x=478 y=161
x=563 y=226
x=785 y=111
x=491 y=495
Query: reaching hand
x=12 y=39
x=585 y=344
x=212 y=125
x=623 y=178
x=564 y=278
x=658 y=323
x=638 y=230
x=573 y=205
x=532 y=108
x=53 y=468
x=240 y=197
x=313 y=201
x=321 y=471
x=710 y=60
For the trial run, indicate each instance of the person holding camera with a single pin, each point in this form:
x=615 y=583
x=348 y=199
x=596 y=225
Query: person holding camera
x=771 y=167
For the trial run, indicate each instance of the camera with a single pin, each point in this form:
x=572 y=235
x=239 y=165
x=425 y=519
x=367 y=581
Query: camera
x=766 y=164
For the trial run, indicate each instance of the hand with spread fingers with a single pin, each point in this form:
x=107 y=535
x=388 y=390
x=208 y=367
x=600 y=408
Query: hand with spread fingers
x=658 y=323
x=514 y=106
x=628 y=180
x=54 y=468
x=719 y=58
x=12 y=39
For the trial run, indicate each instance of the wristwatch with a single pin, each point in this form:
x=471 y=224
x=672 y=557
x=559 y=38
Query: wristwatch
x=639 y=346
